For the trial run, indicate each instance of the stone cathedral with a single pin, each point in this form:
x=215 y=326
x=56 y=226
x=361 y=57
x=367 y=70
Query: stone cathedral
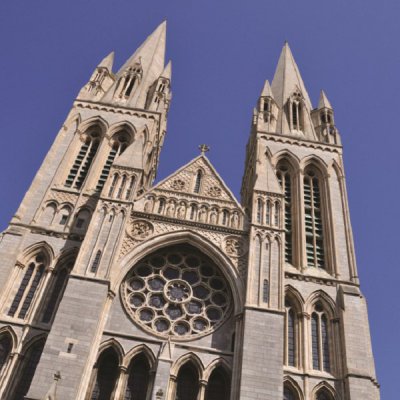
x=116 y=288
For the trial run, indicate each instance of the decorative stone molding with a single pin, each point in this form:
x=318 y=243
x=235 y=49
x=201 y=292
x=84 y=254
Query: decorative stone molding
x=141 y=230
x=214 y=191
x=234 y=246
x=178 y=184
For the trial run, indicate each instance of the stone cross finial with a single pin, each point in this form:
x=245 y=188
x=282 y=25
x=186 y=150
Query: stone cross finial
x=204 y=148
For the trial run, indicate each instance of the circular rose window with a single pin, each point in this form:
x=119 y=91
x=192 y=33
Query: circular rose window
x=177 y=291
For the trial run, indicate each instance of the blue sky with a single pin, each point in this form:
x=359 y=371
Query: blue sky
x=222 y=51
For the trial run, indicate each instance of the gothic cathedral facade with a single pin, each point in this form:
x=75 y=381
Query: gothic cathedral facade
x=113 y=288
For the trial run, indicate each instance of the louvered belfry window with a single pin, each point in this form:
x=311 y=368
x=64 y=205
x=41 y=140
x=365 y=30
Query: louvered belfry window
x=313 y=220
x=28 y=287
x=83 y=161
x=197 y=184
x=284 y=179
x=120 y=143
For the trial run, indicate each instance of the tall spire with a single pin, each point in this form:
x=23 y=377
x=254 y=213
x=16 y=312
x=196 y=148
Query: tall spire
x=323 y=101
x=149 y=58
x=287 y=78
x=151 y=53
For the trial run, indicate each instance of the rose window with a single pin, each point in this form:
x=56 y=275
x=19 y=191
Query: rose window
x=178 y=292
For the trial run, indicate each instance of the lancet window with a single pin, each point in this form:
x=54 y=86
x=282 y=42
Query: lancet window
x=96 y=261
x=105 y=376
x=323 y=394
x=120 y=142
x=138 y=383
x=130 y=188
x=218 y=385
x=296 y=112
x=288 y=393
x=83 y=161
x=313 y=220
x=197 y=183
x=129 y=82
x=284 y=178
x=27 y=369
x=259 y=211
x=320 y=339
x=57 y=290
x=290 y=334
x=121 y=187
x=29 y=286
x=5 y=350
x=187 y=387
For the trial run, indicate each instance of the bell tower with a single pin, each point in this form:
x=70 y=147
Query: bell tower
x=69 y=222
x=305 y=323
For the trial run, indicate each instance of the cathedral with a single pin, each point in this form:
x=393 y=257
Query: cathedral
x=116 y=288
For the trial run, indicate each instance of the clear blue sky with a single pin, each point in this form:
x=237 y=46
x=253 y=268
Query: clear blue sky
x=222 y=52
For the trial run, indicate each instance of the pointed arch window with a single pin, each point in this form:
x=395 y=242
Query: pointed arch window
x=121 y=187
x=113 y=185
x=288 y=393
x=265 y=291
x=105 y=376
x=218 y=386
x=96 y=262
x=259 y=211
x=187 y=387
x=138 y=383
x=277 y=210
x=268 y=212
x=28 y=287
x=323 y=394
x=296 y=112
x=197 y=183
x=83 y=161
x=313 y=220
x=290 y=335
x=27 y=370
x=119 y=143
x=129 y=81
x=320 y=339
x=57 y=291
x=130 y=188
x=284 y=178
x=5 y=350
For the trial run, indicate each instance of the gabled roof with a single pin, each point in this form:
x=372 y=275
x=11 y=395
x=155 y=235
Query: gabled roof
x=212 y=185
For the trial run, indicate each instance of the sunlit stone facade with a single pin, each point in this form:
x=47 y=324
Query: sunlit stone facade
x=115 y=288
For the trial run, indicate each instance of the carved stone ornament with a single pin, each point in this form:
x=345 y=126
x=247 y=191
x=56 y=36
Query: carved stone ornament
x=214 y=191
x=141 y=230
x=234 y=246
x=178 y=184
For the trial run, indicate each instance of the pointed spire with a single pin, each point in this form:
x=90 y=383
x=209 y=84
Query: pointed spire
x=167 y=71
x=323 y=101
x=107 y=62
x=151 y=52
x=267 y=91
x=287 y=78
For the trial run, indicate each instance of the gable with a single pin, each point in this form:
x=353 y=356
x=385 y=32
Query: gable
x=211 y=184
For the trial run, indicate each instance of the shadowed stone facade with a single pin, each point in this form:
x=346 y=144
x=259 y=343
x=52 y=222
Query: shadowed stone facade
x=115 y=288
